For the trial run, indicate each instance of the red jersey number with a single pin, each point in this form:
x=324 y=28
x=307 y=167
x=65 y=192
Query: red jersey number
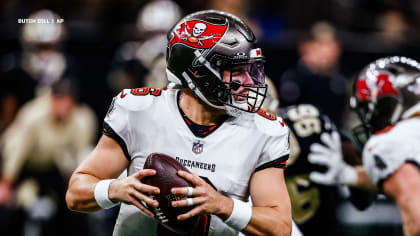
x=146 y=91
x=267 y=115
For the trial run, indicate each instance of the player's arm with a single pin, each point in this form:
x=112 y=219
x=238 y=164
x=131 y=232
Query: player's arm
x=271 y=214
x=107 y=161
x=404 y=187
x=363 y=180
x=271 y=211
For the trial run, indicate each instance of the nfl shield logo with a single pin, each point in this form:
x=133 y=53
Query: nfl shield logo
x=197 y=147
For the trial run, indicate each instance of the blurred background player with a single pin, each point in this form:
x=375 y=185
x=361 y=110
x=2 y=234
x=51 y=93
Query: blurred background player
x=314 y=206
x=316 y=79
x=386 y=98
x=40 y=63
x=142 y=63
x=40 y=150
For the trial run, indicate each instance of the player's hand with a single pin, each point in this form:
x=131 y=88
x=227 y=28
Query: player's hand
x=330 y=155
x=204 y=198
x=132 y=191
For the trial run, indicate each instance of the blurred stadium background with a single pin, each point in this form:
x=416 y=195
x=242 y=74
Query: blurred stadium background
x=104 y=46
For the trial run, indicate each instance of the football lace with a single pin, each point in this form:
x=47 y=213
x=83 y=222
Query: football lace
x=160 y=215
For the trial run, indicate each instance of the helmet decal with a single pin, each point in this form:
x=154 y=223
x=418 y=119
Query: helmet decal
x=198 y=34
x=383 y=93
x=385 y=86
x=382 y=86
x=363 y=90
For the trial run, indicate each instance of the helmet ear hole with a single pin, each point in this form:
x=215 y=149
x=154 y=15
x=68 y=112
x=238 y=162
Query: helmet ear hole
x=221 y=93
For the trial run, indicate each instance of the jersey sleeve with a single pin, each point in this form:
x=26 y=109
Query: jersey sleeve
x=116 y=123
x=382 y=156
x=276 y=149
x=126 y=112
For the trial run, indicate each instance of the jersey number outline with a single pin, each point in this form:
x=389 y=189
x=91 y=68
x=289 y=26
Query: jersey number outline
x=305 y=199
x=266 y=115
x=146 y=91
x=306 y=121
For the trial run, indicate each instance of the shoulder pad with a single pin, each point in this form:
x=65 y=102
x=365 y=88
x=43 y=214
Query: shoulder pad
x=381 y=158
x=137 y=99
x=398 y=134
x=270 y=124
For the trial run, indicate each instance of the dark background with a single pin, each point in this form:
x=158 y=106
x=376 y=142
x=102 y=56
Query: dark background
x=96 y=28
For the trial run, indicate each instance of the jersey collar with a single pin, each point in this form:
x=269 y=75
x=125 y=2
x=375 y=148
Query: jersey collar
x=198 y=130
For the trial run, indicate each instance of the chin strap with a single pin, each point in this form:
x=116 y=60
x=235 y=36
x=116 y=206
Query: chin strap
x=172 y=78
x=197 y=91
x=397 y=113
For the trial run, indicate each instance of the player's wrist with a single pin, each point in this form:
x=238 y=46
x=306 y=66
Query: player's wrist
x=113 y=190
x=240 y=216
x=102 y=196
x=347 y=175
x=226 y=208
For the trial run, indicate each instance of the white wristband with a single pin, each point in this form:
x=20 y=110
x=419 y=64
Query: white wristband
x=101 y=194
x=241 y=215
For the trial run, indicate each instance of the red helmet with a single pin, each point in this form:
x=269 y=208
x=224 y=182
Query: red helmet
x=204 y=44
x=384 y=90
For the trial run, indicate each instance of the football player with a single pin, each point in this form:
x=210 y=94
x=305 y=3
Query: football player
x=211 y=122
x=386 y=98
x=310 y=201
x=314 y=205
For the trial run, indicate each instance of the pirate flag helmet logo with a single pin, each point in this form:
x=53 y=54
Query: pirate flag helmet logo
x=199 y=34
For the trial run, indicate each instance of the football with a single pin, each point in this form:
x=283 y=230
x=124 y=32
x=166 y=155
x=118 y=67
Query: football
x=165 y=179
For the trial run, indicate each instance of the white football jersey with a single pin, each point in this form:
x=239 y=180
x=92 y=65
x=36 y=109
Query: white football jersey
x=385 y=152
x=148 y=120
